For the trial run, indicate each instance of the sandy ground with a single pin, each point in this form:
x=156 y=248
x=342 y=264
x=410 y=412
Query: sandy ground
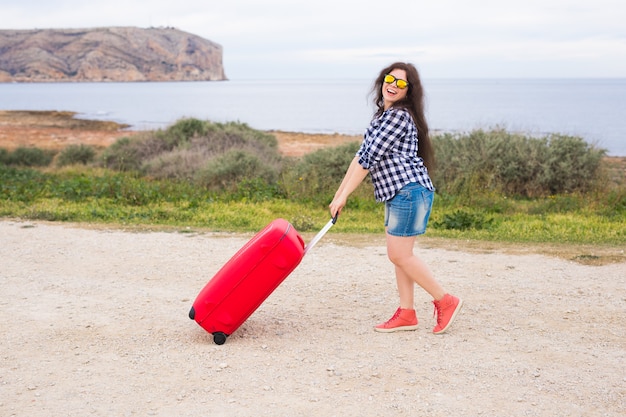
x=94 y=322
x=55 y=130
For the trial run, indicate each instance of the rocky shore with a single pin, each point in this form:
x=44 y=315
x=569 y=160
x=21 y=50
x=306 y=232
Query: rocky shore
x=106 y=54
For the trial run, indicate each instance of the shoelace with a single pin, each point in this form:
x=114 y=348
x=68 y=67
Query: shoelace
x=437 y=312
x=395 y=316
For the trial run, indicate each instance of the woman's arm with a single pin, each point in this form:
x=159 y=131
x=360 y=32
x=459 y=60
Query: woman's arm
x=354 y=176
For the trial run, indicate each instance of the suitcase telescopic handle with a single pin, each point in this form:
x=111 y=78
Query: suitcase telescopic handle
x=321 y=233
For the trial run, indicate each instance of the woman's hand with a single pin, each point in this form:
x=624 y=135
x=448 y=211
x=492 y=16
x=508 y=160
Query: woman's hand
x=336 y=205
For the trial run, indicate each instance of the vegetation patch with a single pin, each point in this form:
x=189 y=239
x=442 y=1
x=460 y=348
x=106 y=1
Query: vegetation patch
x=195 y=175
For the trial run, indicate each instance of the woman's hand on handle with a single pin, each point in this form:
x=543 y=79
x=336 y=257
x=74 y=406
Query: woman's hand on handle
x=337 y=205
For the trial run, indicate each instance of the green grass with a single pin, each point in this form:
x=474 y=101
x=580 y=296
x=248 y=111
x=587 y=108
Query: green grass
x=573 y=228
x=175 y=183
x=577 y=227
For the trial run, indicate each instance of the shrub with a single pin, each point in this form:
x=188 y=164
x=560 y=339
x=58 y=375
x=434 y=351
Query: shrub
x=186 y=159
x=514 y=164
x=226 y=171
x=76 y=154
x=317 y=175
x=123 y=155
x=571 y=164
x=235 y=131
x=184 y=130
x=4 y=156
x=30 y=157
x=215 y=155
x=161 y=141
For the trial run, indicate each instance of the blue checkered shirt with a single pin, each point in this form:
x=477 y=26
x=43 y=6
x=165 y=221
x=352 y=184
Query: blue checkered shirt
x=389 y=152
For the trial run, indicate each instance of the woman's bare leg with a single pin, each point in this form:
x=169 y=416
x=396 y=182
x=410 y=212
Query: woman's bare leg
x=409 y=269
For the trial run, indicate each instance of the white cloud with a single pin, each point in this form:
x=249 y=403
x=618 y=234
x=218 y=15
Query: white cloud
x=447 y=36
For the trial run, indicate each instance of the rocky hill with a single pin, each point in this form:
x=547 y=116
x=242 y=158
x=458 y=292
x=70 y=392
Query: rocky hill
x=108 y=54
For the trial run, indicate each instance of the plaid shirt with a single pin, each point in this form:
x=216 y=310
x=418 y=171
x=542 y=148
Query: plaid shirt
x=389 y=152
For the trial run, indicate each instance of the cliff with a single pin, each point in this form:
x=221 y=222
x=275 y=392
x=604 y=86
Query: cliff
x=108 y=54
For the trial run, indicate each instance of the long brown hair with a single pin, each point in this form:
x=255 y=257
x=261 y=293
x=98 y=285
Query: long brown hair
x=413 y=103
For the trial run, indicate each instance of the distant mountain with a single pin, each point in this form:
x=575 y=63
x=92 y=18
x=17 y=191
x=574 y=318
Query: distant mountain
x=108 y=54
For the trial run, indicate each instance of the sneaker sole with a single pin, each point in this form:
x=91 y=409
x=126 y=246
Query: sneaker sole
x=456 y=311
x=396 y=329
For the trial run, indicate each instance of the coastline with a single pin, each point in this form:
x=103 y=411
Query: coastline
x=533 y=107
x=57 y=129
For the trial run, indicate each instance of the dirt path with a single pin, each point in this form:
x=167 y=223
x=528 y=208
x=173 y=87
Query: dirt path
x=94 y=322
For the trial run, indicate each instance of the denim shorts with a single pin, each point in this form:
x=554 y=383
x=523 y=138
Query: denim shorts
x=407 y=213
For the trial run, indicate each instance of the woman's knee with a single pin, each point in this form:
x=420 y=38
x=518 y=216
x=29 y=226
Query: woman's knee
x=399 y=249
x=398 y=256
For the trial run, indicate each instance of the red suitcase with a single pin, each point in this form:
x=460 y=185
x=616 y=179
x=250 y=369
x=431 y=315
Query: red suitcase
x=249 y=277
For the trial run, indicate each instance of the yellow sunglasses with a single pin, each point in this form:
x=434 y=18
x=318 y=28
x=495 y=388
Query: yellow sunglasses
x=402 y=84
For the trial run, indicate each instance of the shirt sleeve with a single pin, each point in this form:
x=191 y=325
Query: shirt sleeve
x=381 y=136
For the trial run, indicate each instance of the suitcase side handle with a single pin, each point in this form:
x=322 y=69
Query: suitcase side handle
x=301 y=241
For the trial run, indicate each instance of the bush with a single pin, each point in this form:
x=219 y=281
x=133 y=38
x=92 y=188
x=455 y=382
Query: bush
x=514 y=164
x=226 y=171
x=4 y=156
x=76 y=154
x=242 y=132
x=215 y=155
x=317 y=175
x=123 y=155
x=30 y=157
x=184 y=130
x=571 y=164
x=196 y=154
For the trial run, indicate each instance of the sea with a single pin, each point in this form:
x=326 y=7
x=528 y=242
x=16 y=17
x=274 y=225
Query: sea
x=594 y=109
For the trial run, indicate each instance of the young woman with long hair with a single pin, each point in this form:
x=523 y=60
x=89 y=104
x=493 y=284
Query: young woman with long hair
x=397 y=153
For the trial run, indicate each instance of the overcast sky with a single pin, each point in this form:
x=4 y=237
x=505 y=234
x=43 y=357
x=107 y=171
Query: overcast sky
x=265 y=39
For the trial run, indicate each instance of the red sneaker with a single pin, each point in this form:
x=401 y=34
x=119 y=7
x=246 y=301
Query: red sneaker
x=403 y=319
x=446 y=310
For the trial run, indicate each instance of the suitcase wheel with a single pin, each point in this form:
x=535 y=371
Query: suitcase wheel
x=219 y=338
x=192 y=313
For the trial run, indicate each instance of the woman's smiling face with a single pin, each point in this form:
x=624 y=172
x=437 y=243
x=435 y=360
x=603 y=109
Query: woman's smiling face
x=391 y=92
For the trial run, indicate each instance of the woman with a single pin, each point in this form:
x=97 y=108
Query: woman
x=396 y=151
